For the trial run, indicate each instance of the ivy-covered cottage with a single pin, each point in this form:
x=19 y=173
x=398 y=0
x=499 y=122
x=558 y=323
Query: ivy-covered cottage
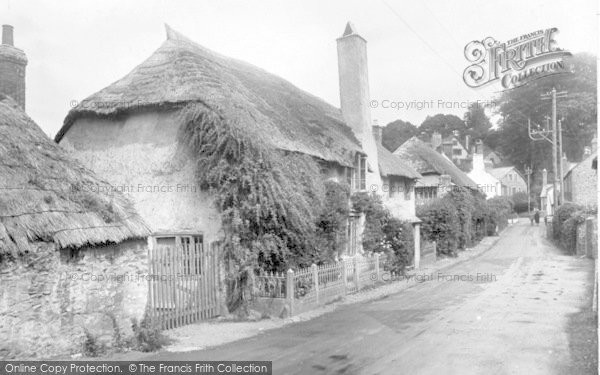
x=213 y=149
x=439 y=174
x=62 y=235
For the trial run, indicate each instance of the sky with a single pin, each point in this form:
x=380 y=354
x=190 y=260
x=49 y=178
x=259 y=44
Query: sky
x=415 y=48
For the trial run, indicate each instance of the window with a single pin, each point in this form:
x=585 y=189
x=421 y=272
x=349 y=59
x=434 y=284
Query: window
x=457 y=151
x=359 y=176
x=424 y=193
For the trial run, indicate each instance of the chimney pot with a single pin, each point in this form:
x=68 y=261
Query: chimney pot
x=7 y=35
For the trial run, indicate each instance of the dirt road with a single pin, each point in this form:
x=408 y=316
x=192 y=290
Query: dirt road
x=523 y=307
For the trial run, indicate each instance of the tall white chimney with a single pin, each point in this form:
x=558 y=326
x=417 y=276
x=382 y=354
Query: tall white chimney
x=478 y=164
x=354 y=94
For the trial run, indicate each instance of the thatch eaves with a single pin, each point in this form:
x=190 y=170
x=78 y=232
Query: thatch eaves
x=267 y=106
x=426 y=160
x=391 y=165
x=46 y=196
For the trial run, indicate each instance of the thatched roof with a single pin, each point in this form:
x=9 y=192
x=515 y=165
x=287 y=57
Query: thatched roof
x=45 y=196
x=391 y=165
x=426 y=160
x=267 y=106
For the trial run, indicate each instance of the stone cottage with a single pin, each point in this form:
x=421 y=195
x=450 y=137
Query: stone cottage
x=131 y=131
x=439 y=173
x=580 y=182
x=73 y=259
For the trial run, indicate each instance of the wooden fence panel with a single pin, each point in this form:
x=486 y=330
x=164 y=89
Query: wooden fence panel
x=184 y=283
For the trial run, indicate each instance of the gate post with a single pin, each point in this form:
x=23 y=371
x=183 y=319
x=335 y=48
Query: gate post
x=315 y=279
x=289 y=290
x=357 y=273
x=344 y=276
x=377 y=275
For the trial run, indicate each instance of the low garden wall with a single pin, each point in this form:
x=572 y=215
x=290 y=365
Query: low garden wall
x=63 y=302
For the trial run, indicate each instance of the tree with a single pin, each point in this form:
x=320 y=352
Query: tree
x=444 y=124
x=396 y=133
x=477 y=122
x=578 y=113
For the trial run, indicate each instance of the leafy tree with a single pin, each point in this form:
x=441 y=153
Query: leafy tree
x=477 y=122
x=396 y=133
x=578 y=113
x=444 y=124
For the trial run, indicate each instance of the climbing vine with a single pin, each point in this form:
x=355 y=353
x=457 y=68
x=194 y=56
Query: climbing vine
x=276 y=211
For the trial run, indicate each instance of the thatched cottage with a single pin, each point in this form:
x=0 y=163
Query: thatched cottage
x=61 y=238
x=131 y=132
x=439 y=173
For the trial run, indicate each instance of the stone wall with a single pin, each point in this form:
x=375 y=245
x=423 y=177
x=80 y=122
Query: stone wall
x=584 y=183
x=587 y=238
x=50 y=299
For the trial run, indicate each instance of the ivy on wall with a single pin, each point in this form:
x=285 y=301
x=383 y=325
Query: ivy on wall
x=277 y=212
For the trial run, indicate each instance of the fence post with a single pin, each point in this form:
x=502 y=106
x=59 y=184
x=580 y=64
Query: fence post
x=315 y=277
x=417 y=245
x=344 y=276
x=356 y=273
x=378 y=276
x=289 y=290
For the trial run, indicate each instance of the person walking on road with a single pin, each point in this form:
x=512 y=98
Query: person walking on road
x=536 y=216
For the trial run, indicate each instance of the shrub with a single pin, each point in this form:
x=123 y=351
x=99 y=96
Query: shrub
x=520 y=202
x=331 y=224
x=498 y=211
x=562 y=214
x=470 y=209
x=147 y=335
x=440 y=223
x=384 y=233
x=376 y=217
x=399 y=241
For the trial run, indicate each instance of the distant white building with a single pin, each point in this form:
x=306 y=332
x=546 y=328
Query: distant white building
x=486 y=183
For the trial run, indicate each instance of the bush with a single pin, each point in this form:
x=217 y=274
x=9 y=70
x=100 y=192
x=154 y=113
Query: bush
x=383 y=233
x=562 y=214
x=470 y=208
x=520 y=202
x=498 y=211
x=440 y=223
x=147 y=335
x=399 y=243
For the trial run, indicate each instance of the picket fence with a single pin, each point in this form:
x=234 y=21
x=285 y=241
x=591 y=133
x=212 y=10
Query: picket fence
x=306 y=288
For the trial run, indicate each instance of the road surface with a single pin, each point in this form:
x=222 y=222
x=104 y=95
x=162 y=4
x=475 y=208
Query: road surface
x=523 y=307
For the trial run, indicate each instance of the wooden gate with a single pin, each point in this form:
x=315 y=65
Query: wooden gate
x=183 y=283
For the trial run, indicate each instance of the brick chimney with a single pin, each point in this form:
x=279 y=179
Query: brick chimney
x=7 y=35
x=468 y=143
x=12 y=67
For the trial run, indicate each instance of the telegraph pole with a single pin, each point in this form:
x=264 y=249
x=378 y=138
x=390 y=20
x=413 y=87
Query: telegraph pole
x=528 y=172
x=556 y=180
x=560 y=164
